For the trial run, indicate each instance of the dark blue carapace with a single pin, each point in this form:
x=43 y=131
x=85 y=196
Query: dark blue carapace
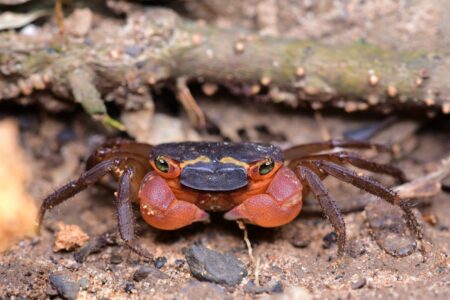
x=216 y=166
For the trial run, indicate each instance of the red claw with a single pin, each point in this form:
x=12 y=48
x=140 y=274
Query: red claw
x=162 y=210
x=280 y=204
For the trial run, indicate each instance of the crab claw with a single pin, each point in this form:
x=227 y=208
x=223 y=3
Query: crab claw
x=280 y=204
x=162 y=210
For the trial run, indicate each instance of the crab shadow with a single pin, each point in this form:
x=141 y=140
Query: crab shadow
x=200 y=232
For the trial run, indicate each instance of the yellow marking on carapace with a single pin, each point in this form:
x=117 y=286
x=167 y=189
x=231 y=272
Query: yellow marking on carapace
x=234 y=161
x=201 y=158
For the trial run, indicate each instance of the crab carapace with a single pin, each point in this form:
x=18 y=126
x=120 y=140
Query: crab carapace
x=176 y=184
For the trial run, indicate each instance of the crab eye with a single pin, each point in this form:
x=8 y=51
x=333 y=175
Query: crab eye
x=162 y=164
x=266 y=167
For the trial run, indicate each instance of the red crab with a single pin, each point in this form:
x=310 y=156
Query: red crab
x=175 y=184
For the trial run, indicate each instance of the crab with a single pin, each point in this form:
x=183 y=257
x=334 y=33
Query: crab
x=177 y=184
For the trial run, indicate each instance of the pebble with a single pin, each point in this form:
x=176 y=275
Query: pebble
x=160 y=262
x=129 y=287
x=116 y=259
x=210 y=265
x=359 y=284
x=66 y=288
x=133 y=50
x=143 y=272
x=179 y=263
x=300 y=243
x=329 y=240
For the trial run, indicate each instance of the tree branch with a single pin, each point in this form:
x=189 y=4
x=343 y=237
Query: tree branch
x=156 y=46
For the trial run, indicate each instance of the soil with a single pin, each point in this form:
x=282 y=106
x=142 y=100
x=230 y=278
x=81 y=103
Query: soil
x=300 y=257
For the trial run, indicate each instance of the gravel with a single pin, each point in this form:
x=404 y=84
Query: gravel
x=160 y=262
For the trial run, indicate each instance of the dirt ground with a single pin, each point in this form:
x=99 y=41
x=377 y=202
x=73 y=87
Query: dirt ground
x=297 y=257
x=296 y=261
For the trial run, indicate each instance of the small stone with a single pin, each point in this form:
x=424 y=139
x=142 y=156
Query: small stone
x=359 y=284
x=65 y=287
x=160 y=262
x=210 y=265
x=329 y=240
x=143 y=273
x=300 y=242
x=129 y=287
x=133 y=50
x=179 y=263
x=116 y=259
x=277 y=287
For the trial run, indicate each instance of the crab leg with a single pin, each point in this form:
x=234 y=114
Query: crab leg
x=76 y=186
x=373 y=187
x=356 y=160
x=125 y=213
x=329 y=207
x=305 y=149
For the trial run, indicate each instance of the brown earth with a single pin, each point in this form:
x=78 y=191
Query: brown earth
x=56 y=150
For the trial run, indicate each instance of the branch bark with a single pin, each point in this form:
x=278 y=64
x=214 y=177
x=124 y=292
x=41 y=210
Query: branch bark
x=156 y=46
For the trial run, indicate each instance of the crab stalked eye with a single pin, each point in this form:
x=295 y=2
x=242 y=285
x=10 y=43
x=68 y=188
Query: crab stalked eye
x=162 y=164
x=266 y=167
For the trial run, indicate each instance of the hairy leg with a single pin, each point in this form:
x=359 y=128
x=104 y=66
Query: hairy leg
x=311 y=180
x=75 y=186
x=125 y=213
x=373 y=187
x=305 y=149
x=356 y=160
